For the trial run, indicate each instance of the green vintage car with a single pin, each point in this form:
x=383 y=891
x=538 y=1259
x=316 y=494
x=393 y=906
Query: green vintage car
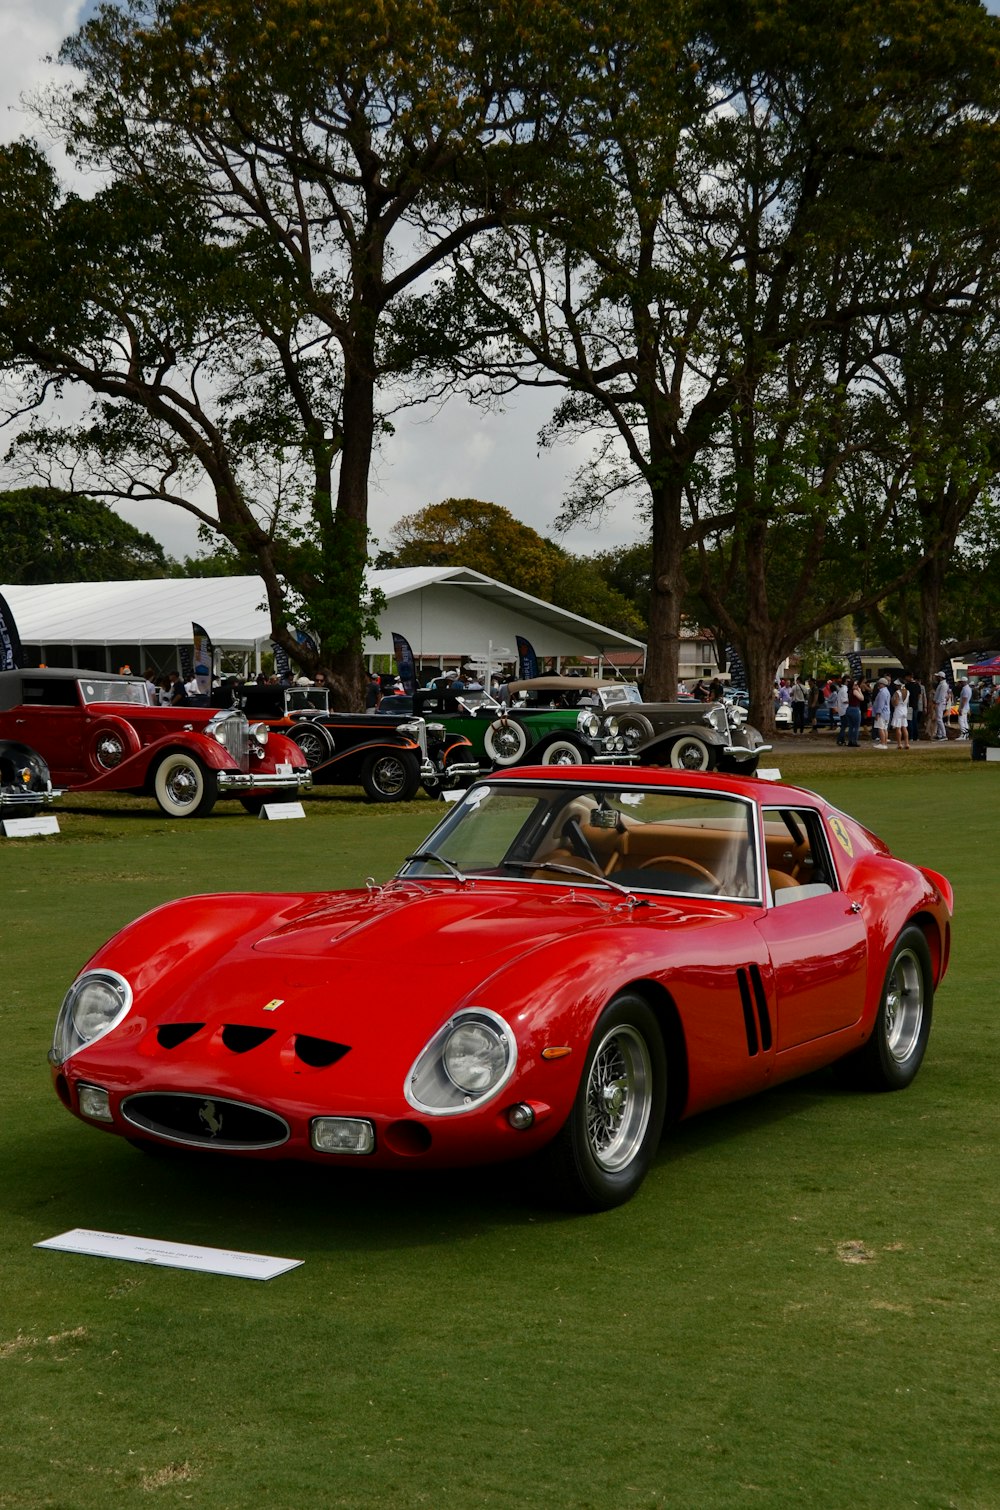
x=504 y=736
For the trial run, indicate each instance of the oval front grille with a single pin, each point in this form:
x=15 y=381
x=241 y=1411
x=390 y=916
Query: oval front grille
x=204 y=1121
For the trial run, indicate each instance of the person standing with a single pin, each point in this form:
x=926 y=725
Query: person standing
x=940 y=703
x=798 y=700
x=964 y=701
x=916 y=705
x=850 y=723
x=900 y=716
x=880 y=714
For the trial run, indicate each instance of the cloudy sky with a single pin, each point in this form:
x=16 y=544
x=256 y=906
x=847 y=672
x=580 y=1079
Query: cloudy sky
x=453 y=452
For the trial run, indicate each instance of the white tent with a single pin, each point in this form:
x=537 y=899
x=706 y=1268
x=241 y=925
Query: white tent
x=446 y=613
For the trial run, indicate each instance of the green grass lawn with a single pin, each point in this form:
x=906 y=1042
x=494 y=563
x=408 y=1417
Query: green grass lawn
x=800 y=1308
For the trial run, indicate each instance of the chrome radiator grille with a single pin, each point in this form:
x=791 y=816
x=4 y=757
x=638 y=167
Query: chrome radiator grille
x=232 y=731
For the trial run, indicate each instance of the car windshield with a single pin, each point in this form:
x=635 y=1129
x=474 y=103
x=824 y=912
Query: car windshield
x=621 y=692
x=474 y=702
x=93 y=690
x=625 y=837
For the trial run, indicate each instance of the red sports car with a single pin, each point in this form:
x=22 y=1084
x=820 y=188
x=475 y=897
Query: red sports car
x=589 y=952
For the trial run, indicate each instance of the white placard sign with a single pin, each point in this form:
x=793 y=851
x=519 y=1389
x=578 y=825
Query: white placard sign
x=25 y=828
x=166 y=1255
x=768 y=773
x=282 y=810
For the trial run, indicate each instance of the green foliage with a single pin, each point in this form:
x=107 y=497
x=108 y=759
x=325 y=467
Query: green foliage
x=53 y=536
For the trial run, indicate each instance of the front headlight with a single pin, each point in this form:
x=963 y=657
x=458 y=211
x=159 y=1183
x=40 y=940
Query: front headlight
x=259 y=735
x=94 y=1004
x=467 y=1061
x=611 y=727
x=589 y=724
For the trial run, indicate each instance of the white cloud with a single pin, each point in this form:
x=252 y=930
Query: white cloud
x=31 y=31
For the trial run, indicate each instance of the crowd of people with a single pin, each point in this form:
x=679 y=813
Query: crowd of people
x=899 y=709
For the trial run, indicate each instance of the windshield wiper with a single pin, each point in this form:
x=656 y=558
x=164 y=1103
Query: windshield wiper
x=571 y=870
x=449 y=865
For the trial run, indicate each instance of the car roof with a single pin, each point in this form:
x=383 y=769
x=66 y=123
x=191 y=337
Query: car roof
x=591 y=777
x=562 y=684
x=10 y=681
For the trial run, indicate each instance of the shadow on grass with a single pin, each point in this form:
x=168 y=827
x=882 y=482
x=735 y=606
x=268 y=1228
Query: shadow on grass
x=70 y=1176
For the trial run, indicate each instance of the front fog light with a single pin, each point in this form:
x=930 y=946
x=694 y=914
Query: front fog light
x=93 y=1103
x=342 y=1135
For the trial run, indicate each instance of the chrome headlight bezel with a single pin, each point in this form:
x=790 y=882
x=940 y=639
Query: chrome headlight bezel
x=85 y=1017
x=474 y=1045
x=259 y=734
x=588 y=724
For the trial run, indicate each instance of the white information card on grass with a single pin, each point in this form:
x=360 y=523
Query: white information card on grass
x=152 y=1250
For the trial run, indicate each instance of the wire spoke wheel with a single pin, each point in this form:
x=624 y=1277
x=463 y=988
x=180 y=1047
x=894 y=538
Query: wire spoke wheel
x=619 y=1098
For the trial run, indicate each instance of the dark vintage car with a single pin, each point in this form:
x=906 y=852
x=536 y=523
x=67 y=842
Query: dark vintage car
x=688 y=735
x=589 y=955
x=389 y=760
x=501 y=734
x=100 y=732
x=25 y=781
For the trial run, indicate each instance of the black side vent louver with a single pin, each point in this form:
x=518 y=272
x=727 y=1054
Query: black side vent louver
x=172 y=1034
x=756 y=1017
x=318 y=1053
x=239 y=1038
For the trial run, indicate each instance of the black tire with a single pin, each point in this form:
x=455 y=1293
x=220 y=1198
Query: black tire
x=183 y=786
x=889 y=1061
x=314 y=742
x=391 y=776
x=564 y=752
x=601 y=1155
x=691 y=753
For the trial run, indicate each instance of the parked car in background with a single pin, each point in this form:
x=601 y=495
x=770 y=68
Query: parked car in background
x=99 y=732
x=389 y=759
x=688 y=735
x=501 y=734
x=586 y=956
x=25 y=781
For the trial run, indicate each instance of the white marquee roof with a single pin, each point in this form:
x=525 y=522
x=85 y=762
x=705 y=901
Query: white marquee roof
x=441 y=610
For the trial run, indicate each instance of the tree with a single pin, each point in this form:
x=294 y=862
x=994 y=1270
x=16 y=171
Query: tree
x=486 y=537
x=277 y=177
x=747 y=178
x=52 y=536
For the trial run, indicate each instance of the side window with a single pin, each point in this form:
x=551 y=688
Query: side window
x=49 y=692
x=799 y=864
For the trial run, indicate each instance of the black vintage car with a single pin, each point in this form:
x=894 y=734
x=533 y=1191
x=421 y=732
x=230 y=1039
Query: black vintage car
x=25 y=783
x=391 y=761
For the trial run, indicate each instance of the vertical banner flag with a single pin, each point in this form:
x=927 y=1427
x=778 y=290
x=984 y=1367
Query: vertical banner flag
x=527 y=660
x=282 y=664
x=854 y=664
x=737 y=670
x=307 y=640
x=11 y=654
x=204 y=658
x=404 y=662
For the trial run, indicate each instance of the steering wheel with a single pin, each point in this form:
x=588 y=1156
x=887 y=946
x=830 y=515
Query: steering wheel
x=665 y=862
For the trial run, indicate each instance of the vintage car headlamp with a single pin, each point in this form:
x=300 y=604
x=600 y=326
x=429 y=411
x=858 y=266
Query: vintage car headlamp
x=94 y=1004
x=94 y=1103
x=588 y=723
x=737 y=714
x=259 y=735
x=466 y=1062
x=611 y=727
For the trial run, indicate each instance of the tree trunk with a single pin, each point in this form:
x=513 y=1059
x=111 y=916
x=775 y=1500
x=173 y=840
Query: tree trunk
x=669 y=585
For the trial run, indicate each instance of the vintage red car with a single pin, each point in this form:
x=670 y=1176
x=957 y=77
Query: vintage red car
x=101 y=733
x=585 y=956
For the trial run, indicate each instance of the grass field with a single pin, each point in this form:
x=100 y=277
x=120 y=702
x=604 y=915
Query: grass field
x=801 y=1307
